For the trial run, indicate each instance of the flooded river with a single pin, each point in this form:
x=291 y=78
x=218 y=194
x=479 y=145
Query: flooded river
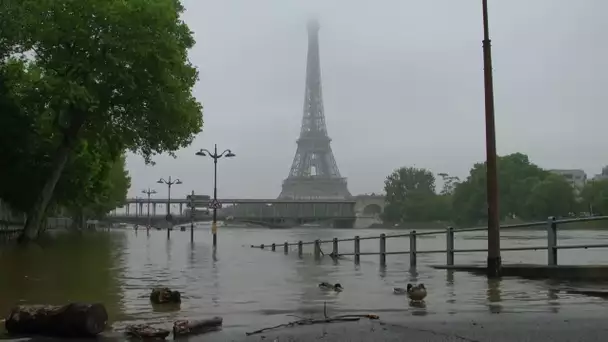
x=253 y=287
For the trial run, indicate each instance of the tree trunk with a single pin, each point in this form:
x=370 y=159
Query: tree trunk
x=71 y=320
x=36 y=213
x=186 y=327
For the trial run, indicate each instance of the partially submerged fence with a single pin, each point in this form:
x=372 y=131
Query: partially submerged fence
x=11 y=221
x=552 y=247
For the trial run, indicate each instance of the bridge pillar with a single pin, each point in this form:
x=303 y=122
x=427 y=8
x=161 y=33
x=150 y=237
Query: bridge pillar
x=154 y=209
x=127 y=207
x=181 y=208
x=141 y=208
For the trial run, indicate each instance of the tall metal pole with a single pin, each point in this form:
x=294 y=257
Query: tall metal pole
x=192 y=217
x=148 y=226
x=215 y=156
x=494 y=261
x=214 y=224
x=168 y=217
x=169 y=207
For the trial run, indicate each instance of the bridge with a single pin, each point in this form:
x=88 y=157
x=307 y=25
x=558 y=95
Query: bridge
x=339 y=213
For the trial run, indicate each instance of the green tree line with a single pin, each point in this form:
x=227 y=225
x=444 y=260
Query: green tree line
x=526 y=191
x=82 y=83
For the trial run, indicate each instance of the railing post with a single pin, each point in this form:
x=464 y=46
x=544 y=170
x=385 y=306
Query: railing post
x=286 y=247
x=413 y=248
x=449 y=238
x=357 y=249
x=383 y=249
x=551 y=241
x=317 y=249
x=262 y=246
x=334 y=251
x=273 y=247
x=300 y=248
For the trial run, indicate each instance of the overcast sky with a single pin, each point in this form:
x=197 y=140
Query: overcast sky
x=402 y=86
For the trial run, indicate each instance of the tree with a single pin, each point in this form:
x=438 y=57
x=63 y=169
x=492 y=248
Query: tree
x=516 y=178
x=22 y=154
x=93 y=184
x=409 y=194
x=449 y=183
x=27 y=140
x=106 y=72
x=594 y=196
x=115 y=188
x=553 y=196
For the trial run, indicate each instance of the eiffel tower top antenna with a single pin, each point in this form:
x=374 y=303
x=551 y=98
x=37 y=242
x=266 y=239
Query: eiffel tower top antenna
x=313 y=25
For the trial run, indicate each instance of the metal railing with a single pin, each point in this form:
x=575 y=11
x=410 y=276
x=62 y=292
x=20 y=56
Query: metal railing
x=551 y=246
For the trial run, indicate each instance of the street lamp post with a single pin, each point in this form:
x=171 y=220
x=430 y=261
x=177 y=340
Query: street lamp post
x=494 y=261
x=169 y=183
x=215 y=156
x=149 y=192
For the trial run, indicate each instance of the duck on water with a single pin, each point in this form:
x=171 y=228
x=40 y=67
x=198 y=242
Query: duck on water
x=327 y=286
x=414 y=292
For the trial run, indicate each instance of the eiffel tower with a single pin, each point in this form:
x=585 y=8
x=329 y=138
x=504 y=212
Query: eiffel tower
x=314 y=172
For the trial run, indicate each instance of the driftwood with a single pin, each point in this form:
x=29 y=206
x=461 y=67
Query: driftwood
x=71 y=320
x=162 y=295
x=311 y=321
x=187 y=327
x=146 y=332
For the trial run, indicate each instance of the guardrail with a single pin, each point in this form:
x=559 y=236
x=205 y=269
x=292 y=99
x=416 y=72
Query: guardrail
x=552 y=247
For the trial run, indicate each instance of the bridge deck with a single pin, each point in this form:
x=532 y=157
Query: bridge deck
x=244 y=200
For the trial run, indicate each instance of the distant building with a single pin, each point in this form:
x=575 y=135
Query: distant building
x=603 y=175
x=576 y=178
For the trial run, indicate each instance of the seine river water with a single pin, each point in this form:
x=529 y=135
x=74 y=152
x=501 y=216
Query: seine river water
x=254 y=288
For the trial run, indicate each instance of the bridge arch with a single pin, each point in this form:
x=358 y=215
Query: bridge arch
x=372 y=209
x=369 y=205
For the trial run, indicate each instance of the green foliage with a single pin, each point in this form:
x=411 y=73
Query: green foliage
x=410 y=195
x=121 y=64
x=517 y=176
x=449 y=183
x=525 y=191
x=553 y=196
x=83 y=81
x=90 y=177
x=22 y=152
x=595 y=197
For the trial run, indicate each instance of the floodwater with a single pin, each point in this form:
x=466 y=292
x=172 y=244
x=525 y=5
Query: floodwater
x=253 y=287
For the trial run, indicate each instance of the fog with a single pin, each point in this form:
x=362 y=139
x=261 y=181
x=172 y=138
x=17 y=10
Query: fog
x=402 y=86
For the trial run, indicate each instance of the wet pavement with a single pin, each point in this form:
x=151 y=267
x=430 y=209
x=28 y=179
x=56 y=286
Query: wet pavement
x=492 y=328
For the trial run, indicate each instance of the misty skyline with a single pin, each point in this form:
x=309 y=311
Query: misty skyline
x=402 y=86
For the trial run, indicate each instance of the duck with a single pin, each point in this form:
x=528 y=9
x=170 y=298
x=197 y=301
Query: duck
x=327 y=286
x=416 y=292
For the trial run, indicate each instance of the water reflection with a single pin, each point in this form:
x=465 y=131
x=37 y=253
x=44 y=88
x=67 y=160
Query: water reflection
x=449 y=283
x=418 y=308
x=494 y=295
x=382 y=272
x=552 y=300
x=170 y=307
x=254 y=287
x=63 y=268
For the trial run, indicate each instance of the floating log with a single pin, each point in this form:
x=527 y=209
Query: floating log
x=146 y=332
x=71 y=320
x=192 y=327
x=162 y=295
